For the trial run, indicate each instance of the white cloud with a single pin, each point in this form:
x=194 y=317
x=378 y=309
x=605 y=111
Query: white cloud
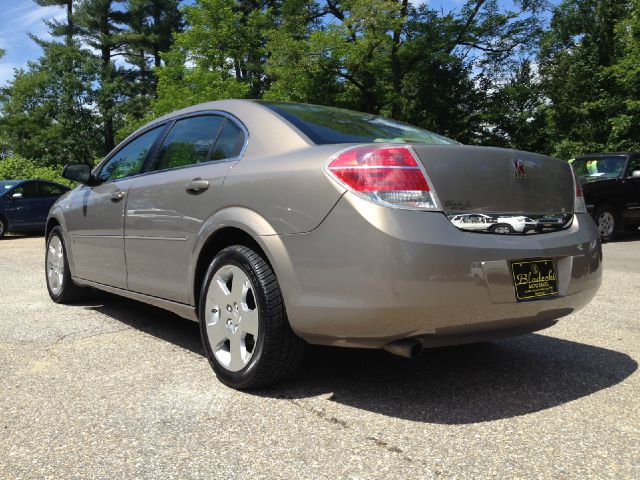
x=16 y=21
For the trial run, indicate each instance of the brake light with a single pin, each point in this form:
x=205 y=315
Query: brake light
x=389 y=176
x=579 y=205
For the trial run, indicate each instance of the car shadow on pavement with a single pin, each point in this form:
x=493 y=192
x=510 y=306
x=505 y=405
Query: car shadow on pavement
x=453 y=385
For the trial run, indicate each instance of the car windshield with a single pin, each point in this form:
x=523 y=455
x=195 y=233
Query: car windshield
x=595 y=168
x=325 y=125
x=7 y=184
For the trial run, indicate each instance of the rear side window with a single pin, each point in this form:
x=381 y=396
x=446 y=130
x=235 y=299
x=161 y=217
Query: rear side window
x=229 y=143
x=189 y=142
x=48 y=190
x=335 y=125
x=128 y=160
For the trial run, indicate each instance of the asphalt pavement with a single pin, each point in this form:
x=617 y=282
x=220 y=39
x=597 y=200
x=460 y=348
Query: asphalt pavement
x=112 y=388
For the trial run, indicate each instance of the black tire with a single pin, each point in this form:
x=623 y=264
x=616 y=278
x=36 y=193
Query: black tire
x=3 y=226
x=277 y=351
x=607 y=222
x=69 y=292
x=493 y=228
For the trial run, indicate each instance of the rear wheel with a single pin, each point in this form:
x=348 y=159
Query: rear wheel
x=59 y=284
x=244 y=327
x=607 y=222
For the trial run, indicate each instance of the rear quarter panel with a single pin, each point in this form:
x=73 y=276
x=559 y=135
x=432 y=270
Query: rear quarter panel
x=290 y=190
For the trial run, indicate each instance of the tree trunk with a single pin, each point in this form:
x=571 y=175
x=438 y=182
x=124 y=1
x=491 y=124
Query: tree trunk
x=396 y=67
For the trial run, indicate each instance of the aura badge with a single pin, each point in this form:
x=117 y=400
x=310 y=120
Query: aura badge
x=521 y=171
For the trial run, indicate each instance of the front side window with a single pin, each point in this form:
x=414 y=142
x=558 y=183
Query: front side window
x=189 y=142
x=634 y=164
x=128 y=160
x=25 y=191
x=48 y=190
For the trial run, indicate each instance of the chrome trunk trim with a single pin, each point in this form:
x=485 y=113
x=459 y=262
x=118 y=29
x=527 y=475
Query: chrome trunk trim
x=510 y=223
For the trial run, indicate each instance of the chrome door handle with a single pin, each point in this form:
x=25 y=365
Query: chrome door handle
x=117 y=196
x=197 y=185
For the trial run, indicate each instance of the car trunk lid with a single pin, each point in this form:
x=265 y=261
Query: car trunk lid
x=501 y=184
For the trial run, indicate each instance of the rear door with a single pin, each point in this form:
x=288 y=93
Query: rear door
x=632 y=191
x=168 y=205
x=95 y=220
x=22 y=206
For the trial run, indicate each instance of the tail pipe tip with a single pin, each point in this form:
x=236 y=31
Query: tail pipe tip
x=405 y=348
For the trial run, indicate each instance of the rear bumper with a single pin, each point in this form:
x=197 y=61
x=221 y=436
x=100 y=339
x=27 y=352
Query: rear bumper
x=371 y=275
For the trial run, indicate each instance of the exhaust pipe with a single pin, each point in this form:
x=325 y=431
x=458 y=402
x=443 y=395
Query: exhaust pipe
x=405 y=348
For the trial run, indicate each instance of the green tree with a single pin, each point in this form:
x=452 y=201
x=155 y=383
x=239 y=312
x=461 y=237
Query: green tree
x=61 y=28
x=100 y=25
x=220 y=55
x=47 y=112
x=415 y=64
x=583 y=77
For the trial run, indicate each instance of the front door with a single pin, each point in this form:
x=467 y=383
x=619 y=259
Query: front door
x=168 y=206
x=632 y=192
x=95 y=219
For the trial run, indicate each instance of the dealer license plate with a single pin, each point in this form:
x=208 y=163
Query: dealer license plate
x=534 y=279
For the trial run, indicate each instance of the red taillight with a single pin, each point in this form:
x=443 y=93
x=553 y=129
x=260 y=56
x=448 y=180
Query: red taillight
x=386 y=175
x=579 y=205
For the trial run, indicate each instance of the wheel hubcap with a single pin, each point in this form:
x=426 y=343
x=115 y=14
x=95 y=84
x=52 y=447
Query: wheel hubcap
x=55 y=265
x=502 y=230
x=606 y=224
x=231 y=316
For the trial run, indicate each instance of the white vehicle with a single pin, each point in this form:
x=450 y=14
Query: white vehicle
x=473 y=221
x=514 y=224
x=494 y=224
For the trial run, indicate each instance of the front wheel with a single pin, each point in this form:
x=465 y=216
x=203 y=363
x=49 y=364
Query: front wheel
x=607 y=222
x=3 y=227
x=244 y=327
x=59 y=284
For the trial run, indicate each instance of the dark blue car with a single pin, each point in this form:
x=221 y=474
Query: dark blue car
x=25 y=204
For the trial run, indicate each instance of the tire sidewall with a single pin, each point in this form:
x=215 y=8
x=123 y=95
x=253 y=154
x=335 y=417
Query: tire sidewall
x=3 y=227
x=66 y=278
x=616 y=221
x=232 y=256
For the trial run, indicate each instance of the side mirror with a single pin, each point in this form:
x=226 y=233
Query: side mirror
x=635 y=174
x=78 y=172
x=16 y=196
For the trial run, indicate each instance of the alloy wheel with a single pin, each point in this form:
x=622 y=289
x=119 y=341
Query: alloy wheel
x=55 y=265
x=606 y=224
x=231 y=317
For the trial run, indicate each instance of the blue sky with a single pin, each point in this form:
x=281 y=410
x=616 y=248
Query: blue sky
x=20 y=17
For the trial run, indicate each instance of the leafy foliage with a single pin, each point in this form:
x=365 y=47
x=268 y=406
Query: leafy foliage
x=18 y=168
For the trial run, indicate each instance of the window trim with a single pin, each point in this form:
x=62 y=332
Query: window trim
x=146 y=169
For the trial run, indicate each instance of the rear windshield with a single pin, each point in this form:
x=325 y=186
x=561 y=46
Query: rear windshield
x=610 y=166
x=7 y=184
x=335 y=125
